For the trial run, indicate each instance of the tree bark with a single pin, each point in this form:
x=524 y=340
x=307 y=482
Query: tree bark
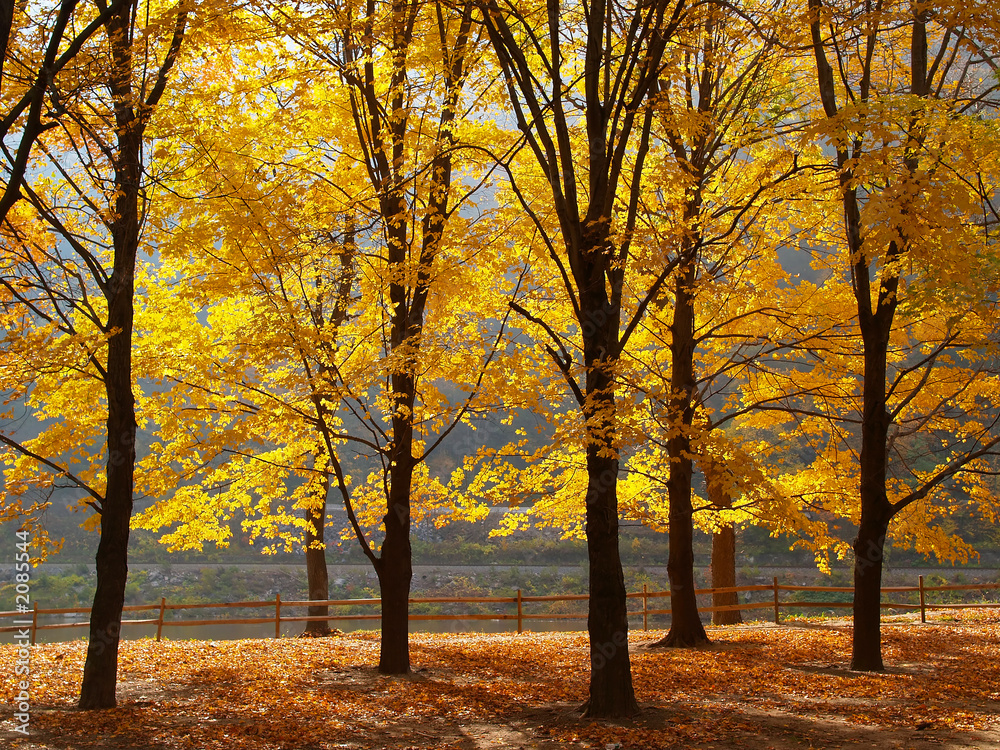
x=131 y=117
x=317 y=577
x=594 y=269
x=724 y=576
x=100 y=672
x=383 y=132
x=6 y=22
x=869 y=547
x=686 y=629
x=395 y=571
x=875 y=322
x=876 y=511
x=101 y=667
x=723 y=547
x=611 y=690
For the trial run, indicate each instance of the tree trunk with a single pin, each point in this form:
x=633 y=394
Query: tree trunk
x=876 y=324
x=876 y=512
x=686 y=629
x=101 y=667
x=317 y=577
x=723 y=547
x=395 y=571
x=611 y=691
x=724 y=576
x=394 y=576
x=866 y=650
x=100 y=671
x=6 y=22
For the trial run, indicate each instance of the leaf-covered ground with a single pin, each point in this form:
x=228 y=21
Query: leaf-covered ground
x=758 y=687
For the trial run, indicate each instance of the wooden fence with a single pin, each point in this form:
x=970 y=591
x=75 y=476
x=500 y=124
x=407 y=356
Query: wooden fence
x=30 y=619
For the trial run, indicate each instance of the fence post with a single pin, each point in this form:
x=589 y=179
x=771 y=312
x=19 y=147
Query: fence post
x=923 y=602
x=277 y=615
x=776 y=617
x=645 y=609
x=34 y=622
x=519 y=612
x=159 y=620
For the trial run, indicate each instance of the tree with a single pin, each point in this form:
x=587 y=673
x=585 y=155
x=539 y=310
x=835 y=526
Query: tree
x=362 y=392
x=910 y=119
x=721 y=205
x=720 y=108
x=75 y=289
x=580 y=81
x=247 y=231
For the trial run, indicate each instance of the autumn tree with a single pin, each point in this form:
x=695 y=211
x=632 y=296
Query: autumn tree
x=345 y=378
x=258 y=265
x=715 y=210
x=70 y=286
x=722 y=118
x=376 y=49
x=908 y=97
x=580 y=80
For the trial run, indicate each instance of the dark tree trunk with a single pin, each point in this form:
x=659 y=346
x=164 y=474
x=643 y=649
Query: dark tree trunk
x=611 y=691
x=131 y=116
x=6 y=22
x=876 y=511
x=317 y=577
x=866 y=650
x=686 y=629
x=394 y=568
x=394 y=576
x=100 y=670
x=395 y=573
x=876 y=324
x=101 y=667
x=594 y=269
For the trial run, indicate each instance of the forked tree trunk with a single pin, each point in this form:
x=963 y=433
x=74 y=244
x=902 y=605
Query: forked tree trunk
x=876 y=315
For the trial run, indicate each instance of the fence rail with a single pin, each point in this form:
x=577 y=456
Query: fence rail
x=30 y=619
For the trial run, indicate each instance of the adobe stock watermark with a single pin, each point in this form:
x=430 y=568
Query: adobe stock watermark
x=22 y=636
x=864 y=559
x=103 y=638
x=602 y=653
